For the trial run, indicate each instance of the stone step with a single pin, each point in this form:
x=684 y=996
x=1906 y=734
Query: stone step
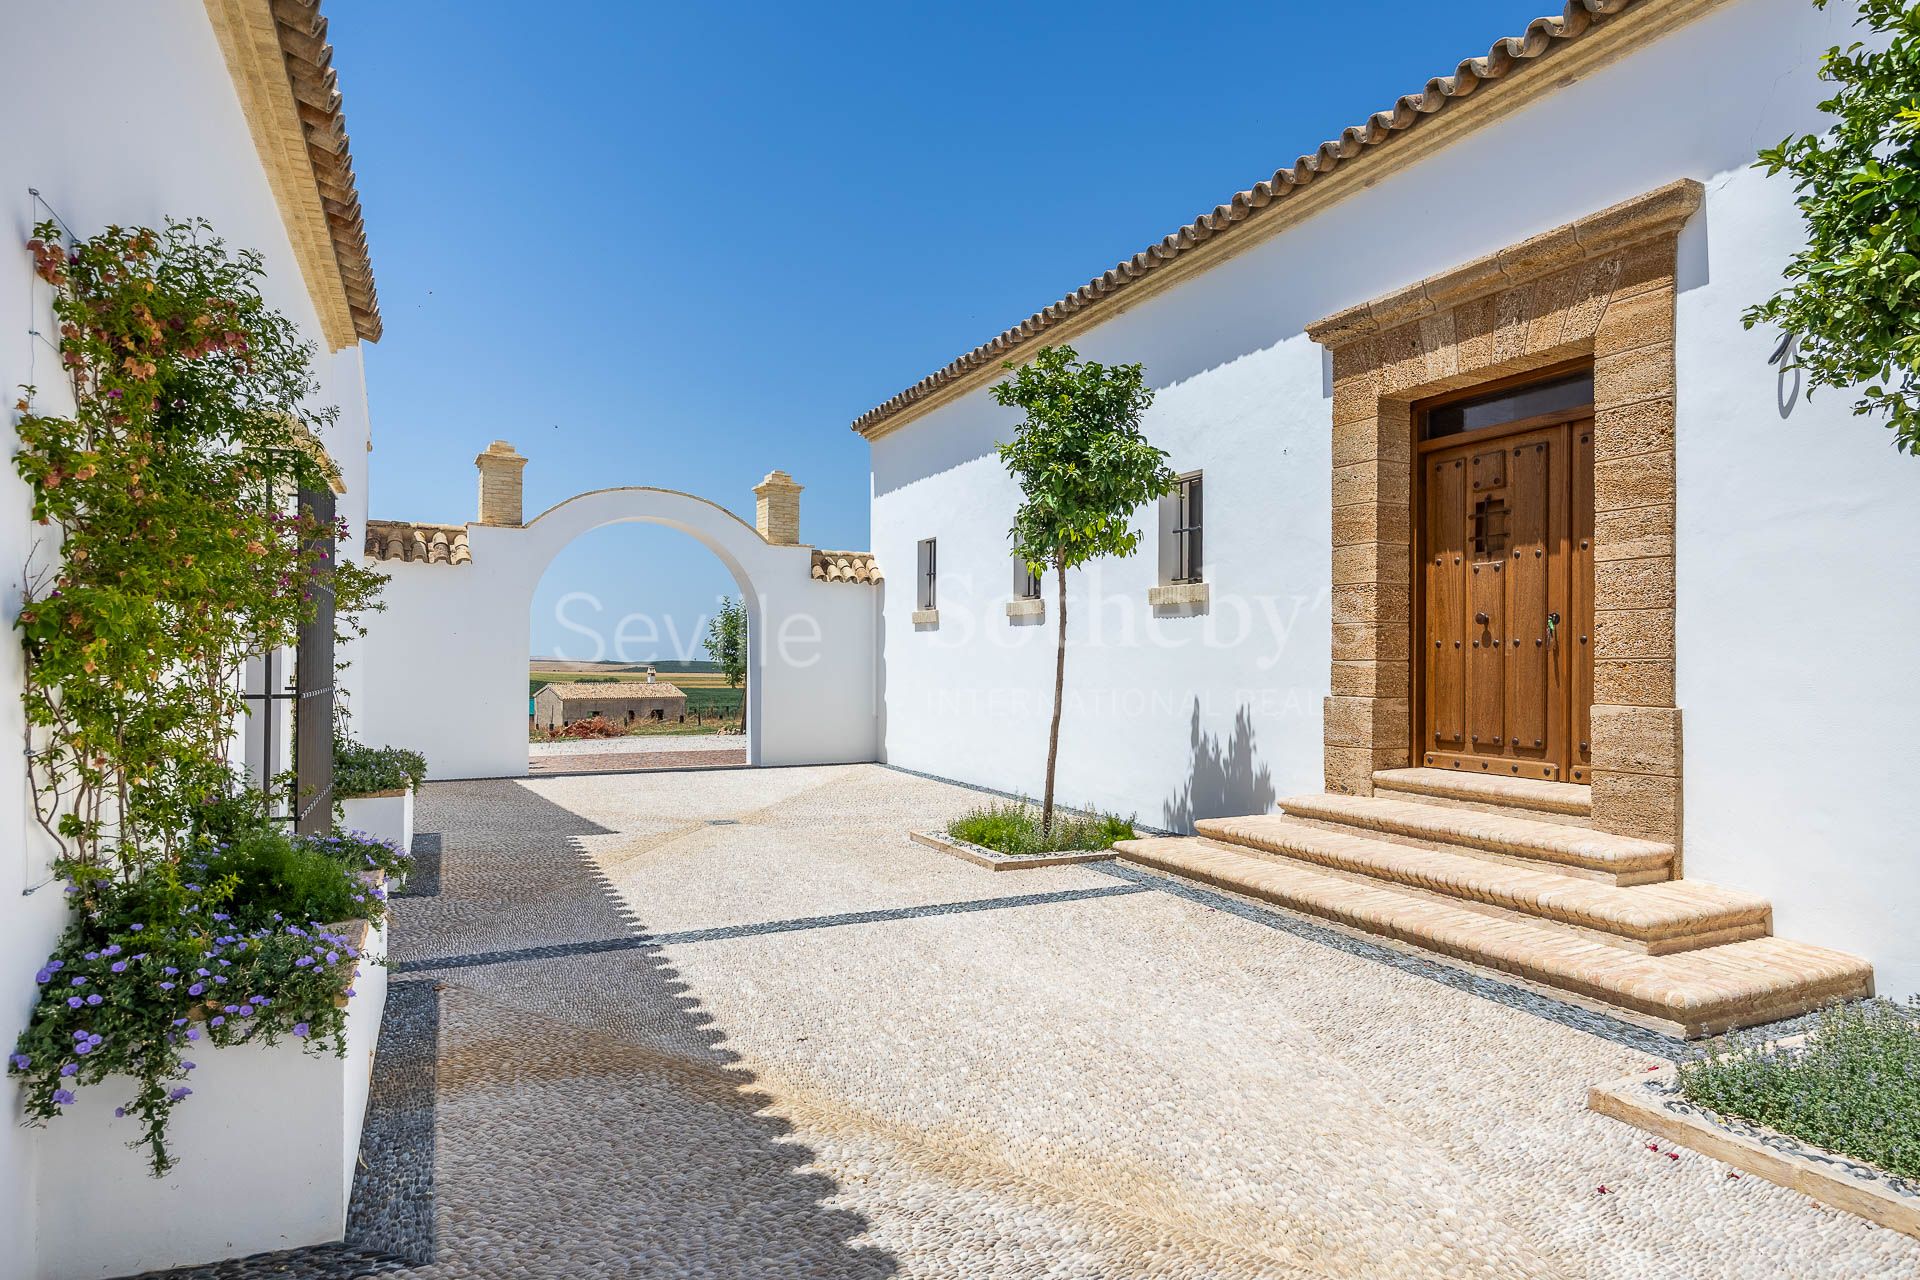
x=1572 y=850
x=1690 y=994
x=1566 y=803
x=1654 y=919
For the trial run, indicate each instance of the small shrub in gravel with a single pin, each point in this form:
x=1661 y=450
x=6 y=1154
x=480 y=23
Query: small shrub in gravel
x=1013 y=827
x=1853 y=1086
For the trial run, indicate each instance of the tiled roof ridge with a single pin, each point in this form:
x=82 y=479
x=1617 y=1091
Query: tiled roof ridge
x=615 y=688
x=303 y=42
x=846 y=566
x=1542 y=35
x=411 y=540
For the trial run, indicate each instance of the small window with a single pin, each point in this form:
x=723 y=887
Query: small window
x=929 y=573
x=1026 y=583
x=1184 y=561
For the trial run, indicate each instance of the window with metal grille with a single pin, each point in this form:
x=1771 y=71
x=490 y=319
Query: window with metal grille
x=929 y=573
x=1186 y=561
x=1026 y=583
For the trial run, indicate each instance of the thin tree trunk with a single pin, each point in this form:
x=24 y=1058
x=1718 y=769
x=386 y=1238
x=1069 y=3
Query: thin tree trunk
x=1059 y=689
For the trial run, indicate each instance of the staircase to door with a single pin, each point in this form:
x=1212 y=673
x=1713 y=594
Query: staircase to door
x=1504 y=874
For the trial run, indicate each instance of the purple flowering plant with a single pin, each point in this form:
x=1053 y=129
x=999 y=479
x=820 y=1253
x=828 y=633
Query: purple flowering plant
x=144 y=1021
x=232 y=908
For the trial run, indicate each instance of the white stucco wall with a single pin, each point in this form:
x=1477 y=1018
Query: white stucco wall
x=446 y=674
x=122 y=115
x=1792 y=528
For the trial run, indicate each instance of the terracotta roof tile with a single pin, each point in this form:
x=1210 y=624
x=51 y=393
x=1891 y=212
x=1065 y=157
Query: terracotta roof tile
x=303 y=41
x=424 y=543
x=570 y=689
x=1246 y=207
x=846 y=566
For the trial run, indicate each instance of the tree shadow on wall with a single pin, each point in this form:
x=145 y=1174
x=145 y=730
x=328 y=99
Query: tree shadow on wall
x=1224 y=777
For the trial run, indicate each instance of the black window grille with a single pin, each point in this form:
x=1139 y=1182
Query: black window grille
x=929 y=574
x=309 y=806
x=1187 y=562
x=1028 y=581
x=313 y=685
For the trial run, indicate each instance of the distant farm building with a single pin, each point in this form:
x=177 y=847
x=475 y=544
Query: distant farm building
x=616 y=702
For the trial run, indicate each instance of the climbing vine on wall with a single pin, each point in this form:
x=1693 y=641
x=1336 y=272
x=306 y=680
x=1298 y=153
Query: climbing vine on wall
x=178 y=553
x=175 y=552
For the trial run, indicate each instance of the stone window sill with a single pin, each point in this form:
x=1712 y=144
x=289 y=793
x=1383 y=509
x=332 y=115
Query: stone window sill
x=926 y=617
x=1177 y=594
x=1026 y=608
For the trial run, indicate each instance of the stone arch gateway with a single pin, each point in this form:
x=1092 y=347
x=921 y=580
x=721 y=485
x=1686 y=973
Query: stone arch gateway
x=445 y=672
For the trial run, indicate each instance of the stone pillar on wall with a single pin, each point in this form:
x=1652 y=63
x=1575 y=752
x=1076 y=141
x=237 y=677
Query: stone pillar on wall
x=500 y=469
x=776 y=509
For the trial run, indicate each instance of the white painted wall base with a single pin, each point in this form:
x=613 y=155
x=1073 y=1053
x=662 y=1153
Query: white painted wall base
x=267 y=1146
x=387 y=816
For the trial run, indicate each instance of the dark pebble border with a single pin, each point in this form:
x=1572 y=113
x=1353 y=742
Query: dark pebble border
x=423 y=880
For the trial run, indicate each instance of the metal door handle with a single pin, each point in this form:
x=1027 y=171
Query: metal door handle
x=1480 y=618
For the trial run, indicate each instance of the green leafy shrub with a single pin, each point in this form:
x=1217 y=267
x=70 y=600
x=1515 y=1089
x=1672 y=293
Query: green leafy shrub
x=1853 y=1086
x=360 y=770
x=1852 y=299
x=237 y=942
x=1013 y=827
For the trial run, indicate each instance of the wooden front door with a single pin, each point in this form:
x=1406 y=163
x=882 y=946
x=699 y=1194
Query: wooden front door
x=1506 y=579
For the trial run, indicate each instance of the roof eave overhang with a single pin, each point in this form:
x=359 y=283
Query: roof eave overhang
x=1554 y=52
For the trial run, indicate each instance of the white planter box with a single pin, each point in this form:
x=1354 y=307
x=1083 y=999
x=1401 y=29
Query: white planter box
x=386 y=816
x=266 y=1148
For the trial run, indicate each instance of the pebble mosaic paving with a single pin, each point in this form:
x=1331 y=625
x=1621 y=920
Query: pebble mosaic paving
x=733 y=1024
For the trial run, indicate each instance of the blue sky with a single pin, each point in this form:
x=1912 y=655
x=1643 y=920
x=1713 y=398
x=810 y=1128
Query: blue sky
x=682 y=245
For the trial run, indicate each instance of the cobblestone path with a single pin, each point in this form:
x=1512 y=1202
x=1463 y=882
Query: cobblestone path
x=732 y=1025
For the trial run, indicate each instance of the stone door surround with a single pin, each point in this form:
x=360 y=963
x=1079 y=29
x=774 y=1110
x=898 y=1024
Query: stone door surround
x=1600 y=288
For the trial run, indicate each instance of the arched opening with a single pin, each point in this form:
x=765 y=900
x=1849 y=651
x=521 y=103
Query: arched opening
x=628 y=645
x=449 y=677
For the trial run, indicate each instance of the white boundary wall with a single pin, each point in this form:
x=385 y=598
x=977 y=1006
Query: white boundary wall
x=1798 y=592
x=446 y=673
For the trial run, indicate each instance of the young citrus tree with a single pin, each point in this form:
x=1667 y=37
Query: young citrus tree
x=1853 y=295
x=1084 y=468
